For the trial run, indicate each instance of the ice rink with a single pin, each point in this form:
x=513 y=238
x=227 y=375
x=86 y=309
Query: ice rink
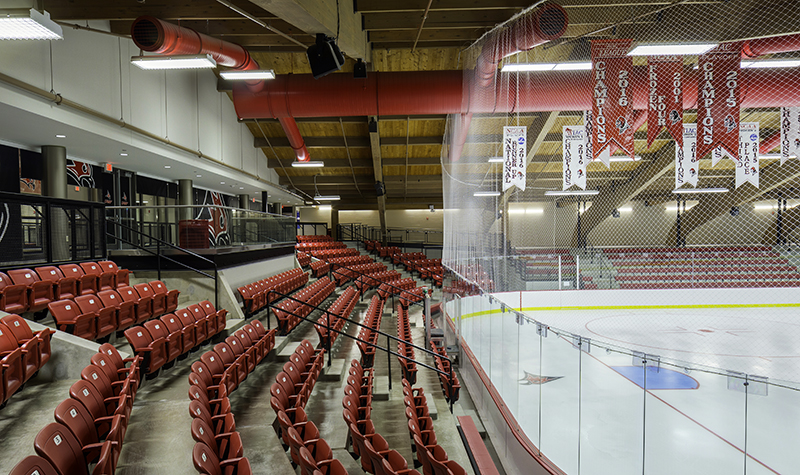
x=690 y=412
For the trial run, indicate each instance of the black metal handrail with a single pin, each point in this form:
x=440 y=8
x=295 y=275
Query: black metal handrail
x=450 y=375
x=160 y=256
x=398 y=290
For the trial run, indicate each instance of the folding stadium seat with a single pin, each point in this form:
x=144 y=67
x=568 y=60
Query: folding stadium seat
x=105 y=280
x=200 y=325
x=126 y=312
x=117 y=377
x=143 y=306
x=105 y=316
x=248 y=299
x=309 y=466
x=205 y=461
x=261 y=343
x=56 y=444
x=87 y=284
x=121 y=275
x=427 y=452
x=34 y=465
x=76 y=418
x=225 y=446
x=209 y=325
x=103 y=412
x=250 y=349
x=63 y=287
x=220 y=314
x=200 y=376
x=39 y=293
x=445 y=467
x=12 y=366
x=70 y=319
x=28 y=356
x=23 y=333
x=159 y=301
x=153 y=351
x=174 y=340
x=170 y=296
x=189 y=327
x=110 y=393
x=112 y=356
x=174 y=324
x=306 y=429
x=214 y=406
x=221 y=424
x=218 y=371
x=317 y=447
x=238 y=366
x=13 y=297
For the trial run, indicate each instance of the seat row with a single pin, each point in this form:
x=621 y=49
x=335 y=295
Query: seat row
x=319 y=245
x=350 y=261
x=28 y=290
x=303 y=258
x=372 y=246
x=335 y=316
x=96 y=316
x=388 y=289
x=407 y=364
x=388 y=251
x=342 y=275
x=404 y=257
x=292 y=311
x=314 y=238
x=326 y=254
x=261 y=293
x=372 y=280
x=90 y=426
x=22 y=354
x=447 y=379
x=414 y=265
x=320 y=268
x=430 y=456
x=367 y=334
x=163 y=340
x=369 y=446
x=219 y=372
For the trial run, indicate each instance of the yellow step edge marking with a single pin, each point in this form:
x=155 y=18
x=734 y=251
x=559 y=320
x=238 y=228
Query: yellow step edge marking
x=632 y=307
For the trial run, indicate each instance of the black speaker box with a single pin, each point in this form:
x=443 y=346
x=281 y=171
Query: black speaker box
x=324 y=56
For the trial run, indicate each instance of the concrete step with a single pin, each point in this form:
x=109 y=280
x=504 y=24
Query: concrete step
x=335 y=371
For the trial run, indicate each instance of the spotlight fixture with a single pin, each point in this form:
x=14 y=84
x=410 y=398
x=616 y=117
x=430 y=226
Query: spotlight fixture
x=486 y=193
x=308 y=164
x=233 y=75
x=572 y=193
x=673 y=49
x=28 y=24
x=61 y=136
x=189 y=61
x=699 y=190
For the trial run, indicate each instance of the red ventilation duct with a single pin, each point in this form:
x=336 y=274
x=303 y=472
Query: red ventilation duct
x=157 y=36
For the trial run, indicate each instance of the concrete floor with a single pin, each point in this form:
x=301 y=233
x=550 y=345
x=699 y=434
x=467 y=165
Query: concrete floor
x=158 y=440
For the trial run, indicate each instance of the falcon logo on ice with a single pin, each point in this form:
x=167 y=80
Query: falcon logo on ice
x=531 y=379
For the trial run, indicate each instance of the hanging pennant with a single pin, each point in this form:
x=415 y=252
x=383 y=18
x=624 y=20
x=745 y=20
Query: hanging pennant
x=573 y=149
x=718 y=101
x=687 y=166
x=514 y=157
x=665 y=104
x=605 y=155
x=611 y=103
x=790 y=133
x=747 y=170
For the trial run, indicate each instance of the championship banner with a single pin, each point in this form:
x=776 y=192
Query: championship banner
x=605 y=155
x=611 y=102
x=573 y=147
x=665 y=100
x=514 y=157
x=747 y=166
x=790 y=133
x=718 y=101
x=687 y=166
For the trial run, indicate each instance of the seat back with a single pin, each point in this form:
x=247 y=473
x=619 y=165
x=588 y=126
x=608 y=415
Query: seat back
x=72 y=414
x=91 y=268
x=18 y=327
x=57 y=444
x=34 y=465
x=205 y=460
x=23 y=276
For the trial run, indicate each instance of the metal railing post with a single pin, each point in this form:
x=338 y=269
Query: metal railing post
x=158 y=258
x=389 y=358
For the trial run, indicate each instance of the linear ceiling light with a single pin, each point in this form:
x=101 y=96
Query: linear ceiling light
x=231 y=75
x=28 y=24
x=308 y=164
x=583 y=66
x=495 y=160
x=771 y=63
x=520 y=67
x=192 y=61
x=327 y=197
x=572 y=193
x=699 y=190
x=619 y=158
x=486 y=193
x=676 y=49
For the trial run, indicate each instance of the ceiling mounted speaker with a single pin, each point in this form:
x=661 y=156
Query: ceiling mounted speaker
x=360 y=69
x=324 y=56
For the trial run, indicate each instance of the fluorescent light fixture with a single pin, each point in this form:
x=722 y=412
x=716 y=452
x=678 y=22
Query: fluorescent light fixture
x=625 y=209
x=241 y=188
x=771 y=63
x=573 y=66
x=307 y=164
x=774 y=156
x=680 y=191
x=327 y=197
x=516 y=211
x=534 y=211
x=222 y=183
x=619 y=158
x=189 y=61
x=683 y=49
x=486 y=193
x=572 y=193
x=61 y=136
x=524 y=67
x=28 y=24
x=245 y=75
x=167 y=166
x=198 y=175
x=495 y=160
x=673 y=207
x=325 y=207
x=123 y=154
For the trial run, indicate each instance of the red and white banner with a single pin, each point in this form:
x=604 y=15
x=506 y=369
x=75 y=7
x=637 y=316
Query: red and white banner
x=573 y=148
x=687 y=166
x=665 y=104
x=605 y=155
x=718 y=100
x=747 y=170
x=612 y=106
x=514 y=161
x=790 y=133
